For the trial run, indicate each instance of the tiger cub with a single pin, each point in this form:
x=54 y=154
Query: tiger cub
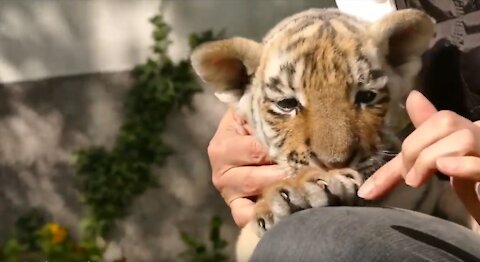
x=323 y=92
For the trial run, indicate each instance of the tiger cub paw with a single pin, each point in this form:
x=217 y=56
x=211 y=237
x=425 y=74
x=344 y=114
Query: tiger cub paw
x=310 y=187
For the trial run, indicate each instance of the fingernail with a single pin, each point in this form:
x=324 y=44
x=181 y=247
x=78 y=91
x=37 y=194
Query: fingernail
x=411 y=178
x=366 y=189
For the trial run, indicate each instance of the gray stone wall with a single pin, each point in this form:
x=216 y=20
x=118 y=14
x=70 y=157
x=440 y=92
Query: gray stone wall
x=43 y=122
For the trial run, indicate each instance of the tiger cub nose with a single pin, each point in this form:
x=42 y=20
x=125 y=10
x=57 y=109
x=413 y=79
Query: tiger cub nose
x=337 y=164
x=334 y=162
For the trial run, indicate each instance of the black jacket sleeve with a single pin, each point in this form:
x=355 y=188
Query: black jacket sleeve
x=450 y=77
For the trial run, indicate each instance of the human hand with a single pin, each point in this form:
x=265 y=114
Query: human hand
x=240 y=165
x=443 y=141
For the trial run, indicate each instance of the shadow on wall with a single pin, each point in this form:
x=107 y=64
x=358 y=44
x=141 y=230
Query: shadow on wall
x=43 y=122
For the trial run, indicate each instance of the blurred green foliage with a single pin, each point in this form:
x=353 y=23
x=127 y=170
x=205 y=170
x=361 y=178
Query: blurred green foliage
x=212 y=251
x=111 y=179
x=35 y=240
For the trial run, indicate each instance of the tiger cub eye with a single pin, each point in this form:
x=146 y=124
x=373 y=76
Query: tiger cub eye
x=288 y=104
x=365 y=97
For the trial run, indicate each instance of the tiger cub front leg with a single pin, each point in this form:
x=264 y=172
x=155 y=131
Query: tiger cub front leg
x=310 y=187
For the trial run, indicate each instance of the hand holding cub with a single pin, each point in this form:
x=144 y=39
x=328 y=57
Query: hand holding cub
x=241 y=168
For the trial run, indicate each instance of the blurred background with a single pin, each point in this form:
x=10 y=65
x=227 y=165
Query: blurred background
x=104 y=129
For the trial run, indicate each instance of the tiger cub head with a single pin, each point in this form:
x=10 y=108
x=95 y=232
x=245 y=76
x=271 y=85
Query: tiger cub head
x=323 y=88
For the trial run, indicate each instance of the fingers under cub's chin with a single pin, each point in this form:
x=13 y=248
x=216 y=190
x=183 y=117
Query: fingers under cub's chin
x=242 y=211
x=241 y=130
x=237 y=117
x=467 y=167
x=247 y=181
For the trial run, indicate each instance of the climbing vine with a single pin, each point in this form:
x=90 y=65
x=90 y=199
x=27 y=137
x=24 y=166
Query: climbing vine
x=111 y=179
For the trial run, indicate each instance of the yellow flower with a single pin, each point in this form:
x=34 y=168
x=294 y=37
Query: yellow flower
x=59 y=233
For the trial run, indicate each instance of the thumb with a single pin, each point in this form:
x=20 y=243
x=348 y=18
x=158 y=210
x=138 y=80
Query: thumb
x=419 y=108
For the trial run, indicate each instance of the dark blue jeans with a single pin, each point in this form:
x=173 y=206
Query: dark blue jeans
x=366 y=234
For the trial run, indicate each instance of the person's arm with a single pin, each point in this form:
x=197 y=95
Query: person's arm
x=443 y=141
x=240 y=165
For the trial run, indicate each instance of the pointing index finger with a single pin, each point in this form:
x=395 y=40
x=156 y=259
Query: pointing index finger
x=382 y=181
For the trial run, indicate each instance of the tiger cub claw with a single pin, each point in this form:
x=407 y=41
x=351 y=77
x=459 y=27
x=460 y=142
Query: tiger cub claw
x=310 y=187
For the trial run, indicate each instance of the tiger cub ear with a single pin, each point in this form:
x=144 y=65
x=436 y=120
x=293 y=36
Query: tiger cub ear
x=226 y=65
x=402 y=37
